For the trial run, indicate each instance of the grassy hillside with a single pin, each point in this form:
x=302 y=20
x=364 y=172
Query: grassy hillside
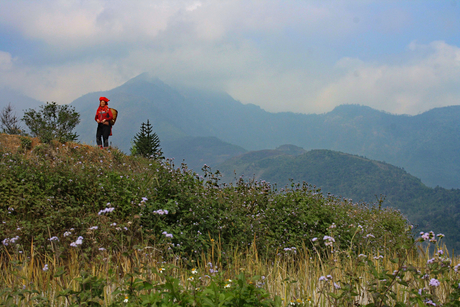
x=358 y=178
x=50 y=189
x=83 y=226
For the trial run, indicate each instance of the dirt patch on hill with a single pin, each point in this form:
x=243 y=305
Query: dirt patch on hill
x=16 y=143
x=13 y=143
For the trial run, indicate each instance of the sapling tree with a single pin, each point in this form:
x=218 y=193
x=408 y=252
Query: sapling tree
x=146 y=143
x=9 y=123
x=53 y=122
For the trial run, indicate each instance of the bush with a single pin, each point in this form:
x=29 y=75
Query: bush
x=26 y=143
x=53 y=122
x=72 y=188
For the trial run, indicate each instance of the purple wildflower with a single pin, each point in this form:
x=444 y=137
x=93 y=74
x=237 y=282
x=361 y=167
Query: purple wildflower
x=434 y=282
x=106 y=210
x=78 y=242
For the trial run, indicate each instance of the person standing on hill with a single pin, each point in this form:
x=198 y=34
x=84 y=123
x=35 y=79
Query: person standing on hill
x=103 y=117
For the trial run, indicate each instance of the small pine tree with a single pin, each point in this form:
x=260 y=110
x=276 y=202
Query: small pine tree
x=9 y=121
x=155 y=145
x=139 y=142
x=146 y=143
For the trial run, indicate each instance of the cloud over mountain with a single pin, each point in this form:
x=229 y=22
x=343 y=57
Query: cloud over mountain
x=282 y=56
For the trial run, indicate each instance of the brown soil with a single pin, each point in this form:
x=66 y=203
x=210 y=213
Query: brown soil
x=12 y=143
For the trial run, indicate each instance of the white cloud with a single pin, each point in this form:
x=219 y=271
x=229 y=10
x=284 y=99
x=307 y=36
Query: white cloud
x=277 y=54
x=429 y=79
x=278 y=91
x=426 y=80
x=193 y=6
x=71 y=24
x=82 y=24
x=6 y=61
x=55 y=22
x=49 y=85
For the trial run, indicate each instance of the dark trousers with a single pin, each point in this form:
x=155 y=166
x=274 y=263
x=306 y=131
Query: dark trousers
x=104 y=132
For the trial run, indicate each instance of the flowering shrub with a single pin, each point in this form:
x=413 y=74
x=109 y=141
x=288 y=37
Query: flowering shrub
x=170 y=291
x=80 y=206
x=69 y=192
x=421 y=283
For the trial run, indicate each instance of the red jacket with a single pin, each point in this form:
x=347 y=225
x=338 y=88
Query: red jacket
x=103 y=113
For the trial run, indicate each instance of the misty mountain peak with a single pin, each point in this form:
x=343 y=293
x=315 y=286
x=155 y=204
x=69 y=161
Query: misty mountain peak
x=291 y=149
x=354 y=110
x=145 y=77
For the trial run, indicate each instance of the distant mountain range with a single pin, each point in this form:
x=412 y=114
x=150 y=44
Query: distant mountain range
x=357 y=178
x=18 y=101
x=426 y=145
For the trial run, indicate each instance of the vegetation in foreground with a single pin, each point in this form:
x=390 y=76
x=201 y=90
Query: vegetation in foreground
x=358 y=178
x=324 y=276
x=88 y=227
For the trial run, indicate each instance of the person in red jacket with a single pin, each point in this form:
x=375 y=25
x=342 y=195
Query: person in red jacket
x=103 y=118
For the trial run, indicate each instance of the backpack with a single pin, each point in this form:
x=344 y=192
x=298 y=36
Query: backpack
x=114 y=114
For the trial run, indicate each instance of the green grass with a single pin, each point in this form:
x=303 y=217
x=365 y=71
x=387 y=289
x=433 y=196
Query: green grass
x=152 y=276
x=53 y=208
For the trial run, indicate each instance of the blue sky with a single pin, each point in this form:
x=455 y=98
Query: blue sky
x=301 y=56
